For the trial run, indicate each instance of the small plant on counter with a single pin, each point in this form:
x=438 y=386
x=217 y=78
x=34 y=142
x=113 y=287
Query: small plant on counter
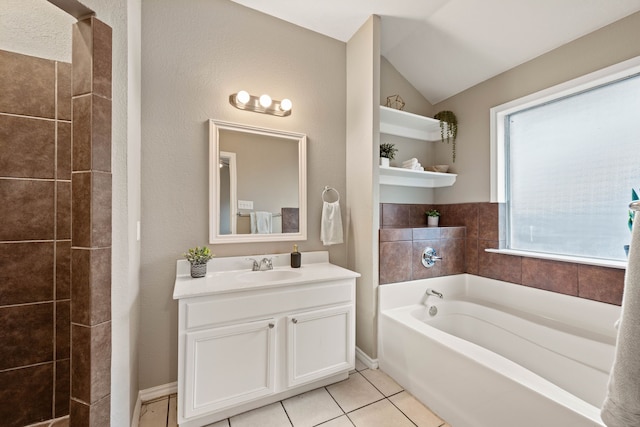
x=432 y=212
x=198 y=255
x=198 y=258
x=388 y=150
x=448 y=128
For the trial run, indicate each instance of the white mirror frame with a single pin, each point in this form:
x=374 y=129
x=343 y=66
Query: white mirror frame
x=214 y=184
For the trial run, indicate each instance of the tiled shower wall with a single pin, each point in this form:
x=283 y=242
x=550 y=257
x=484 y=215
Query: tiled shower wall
x=481 y=222
x=55 y=233
x=35 y=238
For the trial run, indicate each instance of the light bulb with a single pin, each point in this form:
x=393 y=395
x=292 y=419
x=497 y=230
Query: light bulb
x=243 y=97
x=265 y=101
x=286 y=104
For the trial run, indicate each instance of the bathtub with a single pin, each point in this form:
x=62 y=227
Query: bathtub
x=497 y=354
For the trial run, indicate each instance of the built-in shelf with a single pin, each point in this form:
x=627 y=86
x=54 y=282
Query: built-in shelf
x=408 y=125
x=412 y=178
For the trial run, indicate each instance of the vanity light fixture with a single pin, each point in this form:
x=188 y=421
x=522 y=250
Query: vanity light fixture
x=263 y=104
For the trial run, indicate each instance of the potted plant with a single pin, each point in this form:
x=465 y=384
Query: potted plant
x=198 y=258
x=433 y=217
x=387 y=152
x=448 y=128
x=632 y=214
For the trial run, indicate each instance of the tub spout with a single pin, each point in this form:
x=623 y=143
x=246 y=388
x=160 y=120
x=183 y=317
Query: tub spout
x=434 y=293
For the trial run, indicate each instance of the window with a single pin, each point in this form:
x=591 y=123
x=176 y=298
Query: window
x=566 y=160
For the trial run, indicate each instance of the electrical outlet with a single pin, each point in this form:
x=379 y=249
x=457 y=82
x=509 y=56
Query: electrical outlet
x=245 y=204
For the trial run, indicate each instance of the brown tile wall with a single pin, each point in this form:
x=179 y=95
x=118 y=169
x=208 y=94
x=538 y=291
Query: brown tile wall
x=482 y=224
x=90 y=260
x=35 y=238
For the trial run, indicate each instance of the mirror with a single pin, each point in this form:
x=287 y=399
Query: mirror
x=257 y=184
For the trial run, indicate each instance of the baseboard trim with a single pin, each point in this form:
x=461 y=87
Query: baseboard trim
x=364 y=358
x=150 y=394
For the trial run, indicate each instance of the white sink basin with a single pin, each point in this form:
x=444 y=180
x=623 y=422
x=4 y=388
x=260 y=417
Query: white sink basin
x=268 y=276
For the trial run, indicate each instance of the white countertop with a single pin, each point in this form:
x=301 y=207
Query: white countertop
x=224 y=275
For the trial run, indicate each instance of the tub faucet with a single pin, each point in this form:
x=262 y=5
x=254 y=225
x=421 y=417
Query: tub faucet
x=434 y=293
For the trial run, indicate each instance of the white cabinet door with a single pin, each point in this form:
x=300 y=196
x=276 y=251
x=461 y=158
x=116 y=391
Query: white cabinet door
x=229 y=365
x=319 y=343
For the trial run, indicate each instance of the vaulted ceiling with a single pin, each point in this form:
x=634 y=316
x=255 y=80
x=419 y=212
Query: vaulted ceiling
x=443 y=47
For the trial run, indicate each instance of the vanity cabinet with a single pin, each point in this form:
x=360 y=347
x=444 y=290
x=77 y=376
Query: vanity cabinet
x=243 y=348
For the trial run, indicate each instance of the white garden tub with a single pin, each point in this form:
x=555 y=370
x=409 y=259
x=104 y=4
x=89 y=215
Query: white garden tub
x=498 y=354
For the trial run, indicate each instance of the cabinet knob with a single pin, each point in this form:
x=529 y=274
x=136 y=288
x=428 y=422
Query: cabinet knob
x=294 y=320
x=271 y=325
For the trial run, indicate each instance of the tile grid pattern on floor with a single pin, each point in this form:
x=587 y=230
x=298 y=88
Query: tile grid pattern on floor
x=369 y=398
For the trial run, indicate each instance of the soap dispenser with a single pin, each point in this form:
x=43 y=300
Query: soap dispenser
x=296 y=257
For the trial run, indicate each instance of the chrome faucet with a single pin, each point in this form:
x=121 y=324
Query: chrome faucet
x=434 y=293
x=429 y=257
x=263 y=265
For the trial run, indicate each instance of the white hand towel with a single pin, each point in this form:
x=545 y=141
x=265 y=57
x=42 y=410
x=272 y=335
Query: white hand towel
x=621 y=407
x=410 y=162
x=261 y=222
x=331 y=225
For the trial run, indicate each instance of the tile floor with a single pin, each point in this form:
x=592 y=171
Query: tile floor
x=369 y=398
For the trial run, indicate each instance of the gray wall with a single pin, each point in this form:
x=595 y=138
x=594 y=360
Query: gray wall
x=607 y=46
x=193 y=58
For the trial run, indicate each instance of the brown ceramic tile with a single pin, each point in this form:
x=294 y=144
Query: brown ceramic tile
x=290 y=220
x=420 y=271
x=395 y=234
x=81 y=209
x=26 y=395
x=601 y=283
x=452 y=232
x=488 y=221
x=28 y=147
x=395 y=215
x=555 y=276
x=62 y=388
x=81 y=57
x=101 y=210
x=452 y=252
x=82 y=133
x=63 y=270
x=101 y=58
x=96 y=415
x=471 y=256
x=64 y=151
x=395 y=261
x=26 y=336
x=27 y=272
x=91 y=361
x=26 y=210
x=91 y=209
x=27 y=85
x=460 y=215
x=63 y=212
x=91 y=286
x=64 y=421
x=64 y=90
x=426 y=233
x=91 y=57
x=63 y=329
x=100 y=134
x=498 y=266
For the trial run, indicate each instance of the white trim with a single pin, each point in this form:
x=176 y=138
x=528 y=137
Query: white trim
x=563 y=258
x=164 y=390
x=497 y=113
x=364 y=358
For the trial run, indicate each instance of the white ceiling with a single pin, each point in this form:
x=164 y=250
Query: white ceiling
x=446 y=46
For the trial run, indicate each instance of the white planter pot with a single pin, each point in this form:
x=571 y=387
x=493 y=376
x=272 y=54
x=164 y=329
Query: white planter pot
x=432 y=221
x=384 y=162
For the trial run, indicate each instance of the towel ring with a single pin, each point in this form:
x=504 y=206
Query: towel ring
x=326 y=190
